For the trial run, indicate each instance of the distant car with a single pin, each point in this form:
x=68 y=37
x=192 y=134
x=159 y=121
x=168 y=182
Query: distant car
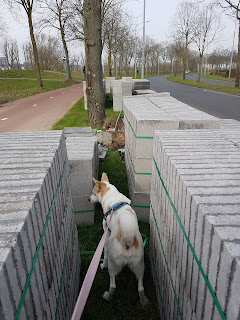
x=187 y=71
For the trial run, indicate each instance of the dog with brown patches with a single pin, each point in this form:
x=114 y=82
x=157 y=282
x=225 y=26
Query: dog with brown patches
x=124 y=245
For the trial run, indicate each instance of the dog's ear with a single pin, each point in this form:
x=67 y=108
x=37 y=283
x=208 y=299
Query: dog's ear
x=95 y=181
x=104 y=177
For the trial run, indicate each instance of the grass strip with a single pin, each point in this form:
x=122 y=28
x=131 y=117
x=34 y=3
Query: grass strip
x=207 y=85
x=217 y=77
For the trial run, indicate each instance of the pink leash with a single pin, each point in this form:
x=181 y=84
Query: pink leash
x=88 y=280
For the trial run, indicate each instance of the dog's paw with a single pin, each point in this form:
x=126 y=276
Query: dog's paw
x=103 y=265
x=106 y=296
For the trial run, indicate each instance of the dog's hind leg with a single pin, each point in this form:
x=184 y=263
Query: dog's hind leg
x=139 y=272
x=143 y=299
x=105 y=259
x=113 y=271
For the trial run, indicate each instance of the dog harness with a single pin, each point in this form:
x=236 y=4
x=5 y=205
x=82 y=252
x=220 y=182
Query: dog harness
x=115 y=207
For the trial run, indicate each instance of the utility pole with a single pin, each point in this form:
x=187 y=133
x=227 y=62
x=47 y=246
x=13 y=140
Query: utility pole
x=143 y=48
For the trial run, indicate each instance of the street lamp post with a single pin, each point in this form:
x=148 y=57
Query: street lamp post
x=143 y=48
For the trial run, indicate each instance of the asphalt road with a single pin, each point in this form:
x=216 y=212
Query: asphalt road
x=222 y=105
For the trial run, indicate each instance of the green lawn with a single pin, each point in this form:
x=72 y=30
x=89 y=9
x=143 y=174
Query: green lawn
x=207 y=85
x=30 y=74
x=125 y=304
x=12 y=89
x=77 y=115
x=22 y=83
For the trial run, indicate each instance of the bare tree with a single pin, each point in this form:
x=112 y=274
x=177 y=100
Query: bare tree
x=49 y=53
x=178 y=48
x=93 y=52
x=234 y=6
x=208 y=28
x=3 y=29
x=28 y=8
x=56 y=13
x=10 y=49
x=184 y=26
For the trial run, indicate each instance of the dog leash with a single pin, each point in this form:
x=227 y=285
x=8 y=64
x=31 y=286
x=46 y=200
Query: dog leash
x=88 y=280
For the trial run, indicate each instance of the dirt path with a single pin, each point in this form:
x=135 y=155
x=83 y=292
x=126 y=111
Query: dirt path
x=38 y=112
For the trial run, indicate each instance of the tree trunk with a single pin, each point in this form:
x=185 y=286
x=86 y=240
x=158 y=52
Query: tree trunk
x=35 y=52
x=115 y=64
x=200 y=68
x=176 y=67
x=69 y=76
x=237 y=83
x=109 y=58
x=93 y=52
x=185 y=60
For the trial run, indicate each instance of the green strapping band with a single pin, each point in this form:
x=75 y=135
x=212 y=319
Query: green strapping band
x=83 y=211
x=218 y=306
x=87 y=252
x=137 y=137
x=21 y=301
x=143 y=173
x=63 y=269
x=168 y=270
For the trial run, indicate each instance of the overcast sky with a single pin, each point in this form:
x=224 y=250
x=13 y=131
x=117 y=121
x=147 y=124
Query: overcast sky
x=158 y=13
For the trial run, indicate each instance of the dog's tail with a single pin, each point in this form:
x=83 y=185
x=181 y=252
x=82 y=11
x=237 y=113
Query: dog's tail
x=130 y=241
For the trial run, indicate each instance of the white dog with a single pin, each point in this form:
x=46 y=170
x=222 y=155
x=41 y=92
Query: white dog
x=124 y=245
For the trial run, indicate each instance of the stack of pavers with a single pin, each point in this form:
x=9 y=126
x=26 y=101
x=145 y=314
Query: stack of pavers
x=39 y=254
x=230 y=129
x=195 y=222
x=143 y=92
x=120 y=89
x=108 y=84
x=139 y=85
x=143 y=115
x=82 y=149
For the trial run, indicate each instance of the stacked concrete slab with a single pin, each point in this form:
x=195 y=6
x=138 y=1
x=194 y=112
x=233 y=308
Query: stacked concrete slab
x=127 y=78
x=140 y=84
x=143 y=92
x=195 y=224
x=120 y=89
x=143 y=115
x=108 y=84
x=39 y=255
x=230 y=129
x=82 y=149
